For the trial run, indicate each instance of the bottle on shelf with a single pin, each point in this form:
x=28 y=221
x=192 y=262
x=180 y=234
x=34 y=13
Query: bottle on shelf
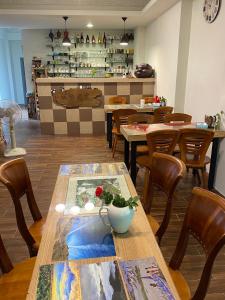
x=87 y=39
x=81 y=38
x=104 y=39
x=77 y=38
x=99 y=38
x=93 y=39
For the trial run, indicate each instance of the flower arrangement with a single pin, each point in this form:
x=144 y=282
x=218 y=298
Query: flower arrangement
x=116 y=199
x=162 y=100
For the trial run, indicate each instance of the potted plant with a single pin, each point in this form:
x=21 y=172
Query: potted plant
x=120 y=211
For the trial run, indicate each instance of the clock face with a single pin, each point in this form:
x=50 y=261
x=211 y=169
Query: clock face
x=211 y=9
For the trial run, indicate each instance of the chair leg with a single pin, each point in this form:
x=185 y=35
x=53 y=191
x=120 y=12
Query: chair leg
x=148 y=192
x=160 y=232
x=195 y=173
x=204 y=179
x=114 y=145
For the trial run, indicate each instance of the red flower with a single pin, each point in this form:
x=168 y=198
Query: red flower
x=98 y=191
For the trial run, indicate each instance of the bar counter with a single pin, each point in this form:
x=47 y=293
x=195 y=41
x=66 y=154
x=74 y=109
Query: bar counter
x=56 y=119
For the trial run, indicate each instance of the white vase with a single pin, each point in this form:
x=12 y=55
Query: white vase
x=120 y=218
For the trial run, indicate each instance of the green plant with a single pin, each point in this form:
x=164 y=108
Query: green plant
x=116 y=199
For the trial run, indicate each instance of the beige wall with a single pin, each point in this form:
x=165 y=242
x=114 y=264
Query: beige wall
x=205 y=90
x=161 y=51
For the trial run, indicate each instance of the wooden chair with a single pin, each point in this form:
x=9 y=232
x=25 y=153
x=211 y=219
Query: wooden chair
x=178 y=117
x=149 y=100
x=193 y=144
x=163 y=141
x=117 y=100
x=161 y=112
x=205 y=221
x=121 y=118
x=165 y=173
x=14 y=282
x=14 y=175
x=141 y=118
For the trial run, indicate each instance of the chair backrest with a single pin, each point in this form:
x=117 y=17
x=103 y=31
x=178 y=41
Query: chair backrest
x=140 y=119
x=165 y=173
x=117 y=100
x=194 y=144
x=5 y=262
x=163 y=141
x=14 y=175
x=161 y=112
x=205 y=220
x=121 y=116
x=149 y=100
x=178 y=117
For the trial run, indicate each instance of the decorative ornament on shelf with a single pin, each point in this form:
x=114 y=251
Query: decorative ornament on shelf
x=144 y=71
x=66 y=39
x=58 y=34
x=124 y=40
x=51 y=35
x=119 y=210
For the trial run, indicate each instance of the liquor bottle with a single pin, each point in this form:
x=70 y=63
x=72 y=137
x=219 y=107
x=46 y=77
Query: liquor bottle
x=99 y=38
x=87 y=39
x=93 y=39
x=51 y=35
x=77 y=38
x=104 y=39
x=82 y=38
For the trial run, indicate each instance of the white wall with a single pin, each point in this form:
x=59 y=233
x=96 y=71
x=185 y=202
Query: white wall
x=161 y=51
x=205 y=89
x=139 y=45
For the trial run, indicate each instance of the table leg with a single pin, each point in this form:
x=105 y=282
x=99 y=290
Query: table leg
x=212 y=170
x=109 y=129
x=126 y=153
x=133 y=167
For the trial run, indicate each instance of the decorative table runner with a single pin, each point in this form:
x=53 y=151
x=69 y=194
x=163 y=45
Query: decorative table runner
x=133 y=279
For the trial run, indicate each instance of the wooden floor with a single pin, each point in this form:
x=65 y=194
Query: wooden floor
x=46 y=153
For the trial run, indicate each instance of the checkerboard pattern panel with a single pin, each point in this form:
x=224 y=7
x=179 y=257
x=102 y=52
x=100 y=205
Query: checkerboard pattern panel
x=82 y=121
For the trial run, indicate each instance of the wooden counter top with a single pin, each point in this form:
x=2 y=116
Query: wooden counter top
x=93 y=80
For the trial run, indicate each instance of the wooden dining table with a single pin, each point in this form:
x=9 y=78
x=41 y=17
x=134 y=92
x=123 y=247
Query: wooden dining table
x=135 y=135
x=147 y=108
x=138 y=242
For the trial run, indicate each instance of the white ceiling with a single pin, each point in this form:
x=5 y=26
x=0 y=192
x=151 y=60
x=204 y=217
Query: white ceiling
x=108 y=17
x=131 y=5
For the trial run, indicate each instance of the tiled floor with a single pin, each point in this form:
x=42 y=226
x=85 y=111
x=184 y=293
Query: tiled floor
x=46 y=153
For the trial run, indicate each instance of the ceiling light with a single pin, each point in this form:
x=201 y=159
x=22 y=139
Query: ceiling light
x=66 y=39
x=90 y=25
x=124 y=40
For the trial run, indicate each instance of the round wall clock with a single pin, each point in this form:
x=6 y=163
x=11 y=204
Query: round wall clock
x=211 y=9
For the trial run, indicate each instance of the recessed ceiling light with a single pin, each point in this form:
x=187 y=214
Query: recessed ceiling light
x=90 y=25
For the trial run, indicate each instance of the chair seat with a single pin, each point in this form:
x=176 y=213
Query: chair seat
x=153 y=223
x=196 y=165
x=142 y=149
x=14 y=285
x=36 y=230
x=181 y=284
x=143 y=161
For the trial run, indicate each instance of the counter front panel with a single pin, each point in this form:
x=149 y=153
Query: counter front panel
x=59 y=120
